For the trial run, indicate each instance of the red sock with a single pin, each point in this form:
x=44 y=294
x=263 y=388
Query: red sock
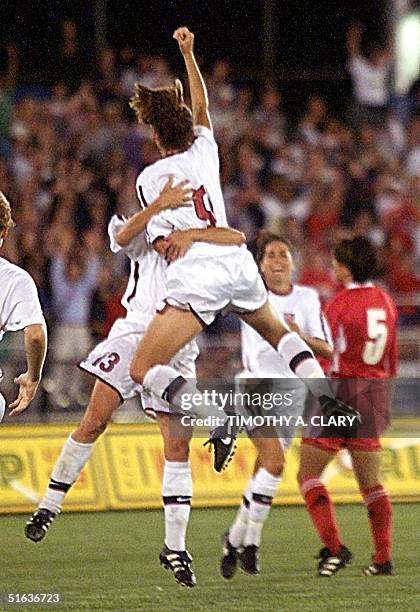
x=380 y=517
x=320 y=507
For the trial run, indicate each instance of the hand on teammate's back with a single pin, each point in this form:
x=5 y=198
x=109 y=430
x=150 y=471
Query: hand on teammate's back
x=177 y=244
x=27 y=391
x=185 y=39
x=174 y=196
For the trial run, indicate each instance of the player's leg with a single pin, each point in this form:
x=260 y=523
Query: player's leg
x=176 y=496
x=366 y=466
x=233 y=538
x=290 y=345
x=313 y=461
x=167 y=333
x=263 y=488
x=73 y=457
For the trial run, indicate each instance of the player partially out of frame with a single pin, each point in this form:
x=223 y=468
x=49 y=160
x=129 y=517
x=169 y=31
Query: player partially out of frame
x=363 y=322
x=20 y=309
x=110 y=362
x=301 y=308
x=210 y=279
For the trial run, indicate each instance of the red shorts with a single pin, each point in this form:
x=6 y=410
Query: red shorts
x=333 y=445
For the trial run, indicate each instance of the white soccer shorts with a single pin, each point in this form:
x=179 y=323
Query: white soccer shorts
x=110 y=361
x=217 y=285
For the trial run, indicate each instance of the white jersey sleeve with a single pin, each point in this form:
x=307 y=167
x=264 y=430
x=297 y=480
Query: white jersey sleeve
x=20 y=306
x=135 y=249
x=316 y=324
x=206 y=144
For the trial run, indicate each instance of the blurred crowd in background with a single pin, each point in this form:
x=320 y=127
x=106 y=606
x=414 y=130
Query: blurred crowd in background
x=70 y=153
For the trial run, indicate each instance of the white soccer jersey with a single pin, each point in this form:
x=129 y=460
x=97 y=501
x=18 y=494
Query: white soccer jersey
x=19 y=301
x=303 y=305
x=146 y=287
x=199 y=164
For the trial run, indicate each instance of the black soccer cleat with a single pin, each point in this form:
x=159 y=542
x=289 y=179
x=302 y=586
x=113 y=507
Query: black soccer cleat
x=179 y=562
x=223 y=441
x=229 y=560
x=39 y=523
x=331 y=406
x=249 y=560
x=330 y=563
x=379 y=569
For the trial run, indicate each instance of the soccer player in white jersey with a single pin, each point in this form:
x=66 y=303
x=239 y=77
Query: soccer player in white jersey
x=110 y=362
x=20 y=309
x=301 y=308
x=210 y=279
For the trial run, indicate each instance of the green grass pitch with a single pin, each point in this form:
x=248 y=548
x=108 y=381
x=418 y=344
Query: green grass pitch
x=108 y=561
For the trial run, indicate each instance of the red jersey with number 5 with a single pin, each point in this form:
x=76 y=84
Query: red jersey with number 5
x=363 y=322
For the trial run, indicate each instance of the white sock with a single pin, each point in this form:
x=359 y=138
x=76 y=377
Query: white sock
x=302 y=362
x=166 y=383
x=263 y=490
x=71 y=461
x=176 y=494
x=238 y=528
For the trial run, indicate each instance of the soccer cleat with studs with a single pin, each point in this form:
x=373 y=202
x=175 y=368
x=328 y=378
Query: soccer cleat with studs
x=249 y=560
x=39 y=523
x=379 y=569
x=223 y=444
x=330 y=563
x=179 y=562
x=229 y=560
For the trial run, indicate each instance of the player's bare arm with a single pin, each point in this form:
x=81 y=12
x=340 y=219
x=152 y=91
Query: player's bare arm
x=319 y=347
x=178 y=243
x=171 y=196
x=198 y=90
x=36 y=348
x=354 y=40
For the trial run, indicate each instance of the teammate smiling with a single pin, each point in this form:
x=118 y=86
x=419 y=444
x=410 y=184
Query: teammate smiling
x=301 y=308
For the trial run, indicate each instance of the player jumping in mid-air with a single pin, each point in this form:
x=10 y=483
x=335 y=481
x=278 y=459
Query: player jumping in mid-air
x=20 y=309
x=363 y=321
x=210 y=279
x=110 y=361
x=301 y=308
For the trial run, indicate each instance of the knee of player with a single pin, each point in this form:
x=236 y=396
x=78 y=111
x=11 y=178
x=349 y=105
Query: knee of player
x=303 y=474
x=137 y=373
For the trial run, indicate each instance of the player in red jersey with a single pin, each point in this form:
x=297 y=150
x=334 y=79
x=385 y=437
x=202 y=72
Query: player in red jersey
x=363 y=320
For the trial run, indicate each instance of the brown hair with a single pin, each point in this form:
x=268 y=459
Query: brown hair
x=164 y=109
x=6 y=221
x=359 y=256
x=266 y=238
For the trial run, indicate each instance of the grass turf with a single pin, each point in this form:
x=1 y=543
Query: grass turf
x=108 y=561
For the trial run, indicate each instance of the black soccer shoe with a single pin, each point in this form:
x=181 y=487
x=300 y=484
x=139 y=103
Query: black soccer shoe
x=379 y=569
x=330 y=563
x=39 y=523
x=249 y=560
x=223 y=443
x=229 y=560
x=333 y=407
x=179 y=562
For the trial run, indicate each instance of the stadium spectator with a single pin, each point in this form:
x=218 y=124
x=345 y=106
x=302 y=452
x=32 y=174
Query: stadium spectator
x=370 y=78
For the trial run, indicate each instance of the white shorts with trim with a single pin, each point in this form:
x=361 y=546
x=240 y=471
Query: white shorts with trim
x=216 y=285
x=110 y=361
